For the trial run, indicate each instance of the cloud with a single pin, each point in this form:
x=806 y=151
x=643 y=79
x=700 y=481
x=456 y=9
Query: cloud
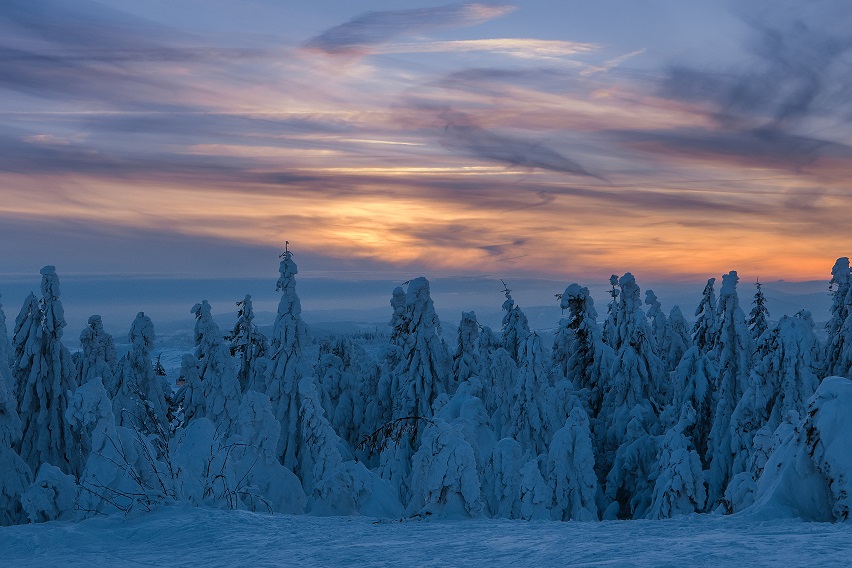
x=462 y=135
x=360 y=34
x=519 y=48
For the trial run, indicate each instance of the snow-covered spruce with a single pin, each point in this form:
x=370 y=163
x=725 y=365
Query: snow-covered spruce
x=140 y=402
x=758 y=318
x=532 y=414
x=838 y=347
x=589 y=359
x=216 y=369
x=679 y=487
x=515 y=327
x=676 y=339
x=733 y=350
x=15 y=474
x=288 y=363
x=636 y=376
x=44 y=374
x=249 y=345
x=571 y=471
x=467 y=361
x=784 y=376
x=420 y=376
x=98 y=357
x=7 y=356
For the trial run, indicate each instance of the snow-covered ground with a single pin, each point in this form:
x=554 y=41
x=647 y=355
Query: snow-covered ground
x=185 y=536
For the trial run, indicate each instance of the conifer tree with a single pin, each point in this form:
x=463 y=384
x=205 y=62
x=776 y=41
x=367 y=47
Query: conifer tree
x=733 y=350
x=467 y=361
x=571 y=471
x=610 y=328
x=656 y=320
x=531 y=415
x=98 y=357
x=288 y=363
x=501 y=480
x=420 y=376
x=140 y=402
x=216 y=370
x=15 y=474
x=676 y=339
x=838 y=347
x=45 y=375
x=637 y=372
x=758 y=318
x=590 y=361
x=704 y=330
x=785 y=375
x=7 y=356
x=679 y=488
x=248 y=344
x=515 y=328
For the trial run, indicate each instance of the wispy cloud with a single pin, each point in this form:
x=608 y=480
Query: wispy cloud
x=520 y=48
x=361 y=34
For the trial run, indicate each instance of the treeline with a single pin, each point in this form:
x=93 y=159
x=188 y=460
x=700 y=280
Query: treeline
x=642 y=416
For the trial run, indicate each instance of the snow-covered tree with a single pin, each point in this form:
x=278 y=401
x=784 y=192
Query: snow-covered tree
x=248 y=344
x=349 y=377
x=785 y=375
x=571 y=471
x=534 y=494
x=500 y=386
x=45 y=375
x=121 y=470
x=467 y=361
x=656 y=319
x=636 y=374
x=676 y=339
x=515 y=327
x=704 y=330
x=501 y=480
x=693 y=385
x=420 y=376
x=423 y=371
x=758 y=318
x=838 y=347
x=590 y=361
x=216 y=369
x=679 y=487
x=444 y=475
x=15 y=474
x=263 y=483
x=610 y=328
x=531 y=414
x=140 y=402
x=630 y=482
x=98 y=356
x=733 y=350
x=288 y=363
x=7 y=356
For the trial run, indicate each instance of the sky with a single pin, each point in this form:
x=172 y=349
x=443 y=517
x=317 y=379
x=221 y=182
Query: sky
x=545 y=139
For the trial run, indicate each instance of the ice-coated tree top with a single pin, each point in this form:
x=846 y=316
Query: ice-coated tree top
x=729 y=284
x=142 y=336
x=54 y=314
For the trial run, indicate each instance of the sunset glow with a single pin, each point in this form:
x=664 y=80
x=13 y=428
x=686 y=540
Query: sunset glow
x=470 y=138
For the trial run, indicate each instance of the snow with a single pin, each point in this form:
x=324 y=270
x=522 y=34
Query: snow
x=185 y=536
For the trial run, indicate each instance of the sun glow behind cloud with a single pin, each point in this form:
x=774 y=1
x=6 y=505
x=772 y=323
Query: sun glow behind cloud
x=546 y=160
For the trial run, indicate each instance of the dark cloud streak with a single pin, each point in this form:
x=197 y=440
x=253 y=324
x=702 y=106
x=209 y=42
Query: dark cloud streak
x=375 y=28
